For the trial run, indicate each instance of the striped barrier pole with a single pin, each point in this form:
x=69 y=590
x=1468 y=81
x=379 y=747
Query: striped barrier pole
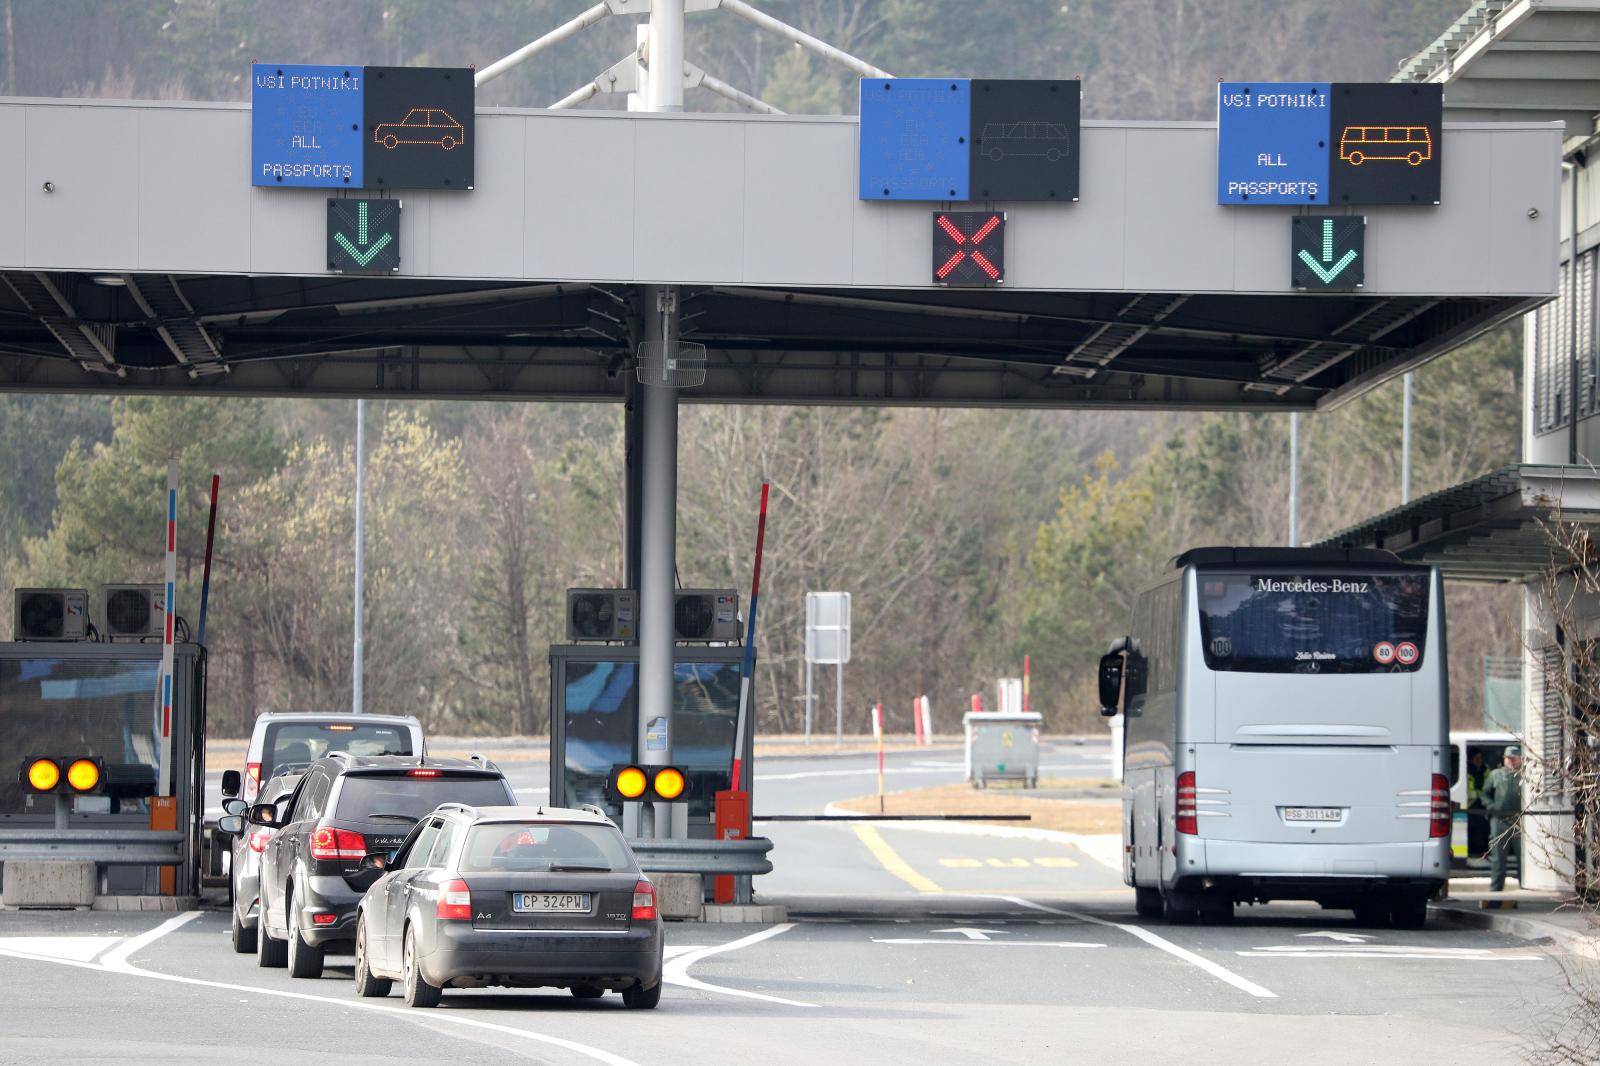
x=169 y=606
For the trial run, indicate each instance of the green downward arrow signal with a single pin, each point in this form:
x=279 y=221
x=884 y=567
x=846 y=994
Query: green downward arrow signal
x=1327 y=273
x=363 y=257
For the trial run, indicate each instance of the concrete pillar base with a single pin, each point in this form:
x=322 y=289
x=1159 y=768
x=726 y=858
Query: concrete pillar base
x=746 y=913
x=49 y=883
x=679 y=896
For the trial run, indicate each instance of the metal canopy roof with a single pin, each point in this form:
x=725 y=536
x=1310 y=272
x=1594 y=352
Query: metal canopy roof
x=171 y=272
x=1491 y=528
x=1518 y=59
x=218 y=334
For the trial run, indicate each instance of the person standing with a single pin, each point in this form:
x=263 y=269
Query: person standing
x=1502 y=800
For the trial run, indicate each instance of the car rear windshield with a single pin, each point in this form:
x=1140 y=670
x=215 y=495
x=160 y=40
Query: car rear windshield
x=1314 y=623
x=400 y=798
x=290 y=744
x=533 y=846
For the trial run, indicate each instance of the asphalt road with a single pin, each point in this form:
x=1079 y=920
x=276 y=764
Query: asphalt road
x=903 y=945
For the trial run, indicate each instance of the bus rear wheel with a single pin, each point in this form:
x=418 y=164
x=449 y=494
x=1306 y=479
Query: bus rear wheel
x=1147 y=902
x=1374 y=914
x=1408 y=912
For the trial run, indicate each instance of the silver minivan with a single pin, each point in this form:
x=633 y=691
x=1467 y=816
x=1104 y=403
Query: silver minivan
x=282 y=745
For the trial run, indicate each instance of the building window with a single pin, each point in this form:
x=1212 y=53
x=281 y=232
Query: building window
x=1552 y=343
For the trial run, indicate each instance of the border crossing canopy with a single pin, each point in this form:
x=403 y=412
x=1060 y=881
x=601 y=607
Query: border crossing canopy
x=170 y=273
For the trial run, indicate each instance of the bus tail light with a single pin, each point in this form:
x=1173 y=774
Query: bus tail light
x=328 y=843
x=1188 y=821
x=455 y=902
x=644 y=902
x=1439 y=808
x=252 y=781
x=258 y=840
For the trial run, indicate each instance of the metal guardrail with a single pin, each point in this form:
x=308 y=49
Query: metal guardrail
x=109 y=847
x=703 y=856
x=892 y=818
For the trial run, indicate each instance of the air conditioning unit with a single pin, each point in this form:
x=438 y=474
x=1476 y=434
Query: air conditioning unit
x=602 y=614
x=706 y=615
x=51 y=614
x=133 y=612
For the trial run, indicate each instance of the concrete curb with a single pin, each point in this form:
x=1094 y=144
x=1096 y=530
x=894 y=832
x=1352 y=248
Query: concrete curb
x=1105 y=849
x=1517 y=925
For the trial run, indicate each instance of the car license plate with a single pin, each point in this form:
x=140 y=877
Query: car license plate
x=1313 y=814
x=544 y=902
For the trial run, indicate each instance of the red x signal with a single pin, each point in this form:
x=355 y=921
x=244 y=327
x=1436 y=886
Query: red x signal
x=966 y=246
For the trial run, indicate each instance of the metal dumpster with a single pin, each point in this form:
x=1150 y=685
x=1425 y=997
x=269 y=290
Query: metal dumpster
x=1002 y=746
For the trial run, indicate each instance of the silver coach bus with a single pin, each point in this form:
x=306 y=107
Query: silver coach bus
x=1285 y=735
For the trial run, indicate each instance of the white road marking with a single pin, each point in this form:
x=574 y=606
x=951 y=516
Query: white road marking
x=974 y=934
x=1343 y=938
x=1221 y=973
x=1383 y=951
x=116 y=961
x=80 y=948
x=992 y=943
x=676 y=970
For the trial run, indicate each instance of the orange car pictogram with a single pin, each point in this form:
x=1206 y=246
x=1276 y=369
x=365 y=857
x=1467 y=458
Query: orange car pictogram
x=422 y=125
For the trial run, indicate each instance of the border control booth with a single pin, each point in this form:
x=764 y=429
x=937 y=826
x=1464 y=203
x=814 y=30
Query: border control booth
x=72 y=700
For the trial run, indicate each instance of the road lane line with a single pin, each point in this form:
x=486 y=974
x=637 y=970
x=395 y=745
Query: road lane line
x=994 y=943
x=117 y=957
x=428 y=1017
x=1325 y=953
x=1221 y=973
x=676 y=970
x=890 y=859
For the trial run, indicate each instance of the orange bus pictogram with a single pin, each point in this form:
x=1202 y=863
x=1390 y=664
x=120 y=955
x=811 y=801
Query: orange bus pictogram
x=1398 y=144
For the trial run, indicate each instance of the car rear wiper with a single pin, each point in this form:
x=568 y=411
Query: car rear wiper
x=396 y=817
x=579 y=869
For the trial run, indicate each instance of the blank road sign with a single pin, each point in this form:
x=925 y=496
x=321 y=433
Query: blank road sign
x=828 y=627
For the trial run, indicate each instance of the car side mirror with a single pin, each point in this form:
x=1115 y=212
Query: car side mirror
x=231 y=824
x=378 y=862
x=1110 y=683
x=230 y=782
x=265 y=814
x=235 y=806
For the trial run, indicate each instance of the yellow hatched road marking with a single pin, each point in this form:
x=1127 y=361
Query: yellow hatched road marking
x=1049 y=862
x=891 y=861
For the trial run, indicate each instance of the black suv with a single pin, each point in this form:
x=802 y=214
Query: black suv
x=345 y=808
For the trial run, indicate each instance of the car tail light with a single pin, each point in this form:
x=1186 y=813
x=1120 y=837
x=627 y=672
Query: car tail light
x=252 y=781
x=1439 y=807
x=422 y=773
x=1188 y=823
x=644 y=902
x=455 y=902
x=324 y=919
x=330 y=843
x=258 y=840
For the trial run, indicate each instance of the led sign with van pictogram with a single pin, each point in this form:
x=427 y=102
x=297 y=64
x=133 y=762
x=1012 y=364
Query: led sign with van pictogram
x=969 y=139
x=969 y=247
x=1328 y=143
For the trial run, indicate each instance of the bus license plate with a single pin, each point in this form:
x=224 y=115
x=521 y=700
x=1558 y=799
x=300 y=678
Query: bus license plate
x=1312 y=814
x=543 y=902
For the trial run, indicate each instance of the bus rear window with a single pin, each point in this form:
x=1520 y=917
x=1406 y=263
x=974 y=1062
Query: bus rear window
x=1314 y=623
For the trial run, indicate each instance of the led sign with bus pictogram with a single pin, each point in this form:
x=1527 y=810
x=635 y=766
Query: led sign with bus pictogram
x=969 y=139
x=1328 y=143
x=969 y=247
